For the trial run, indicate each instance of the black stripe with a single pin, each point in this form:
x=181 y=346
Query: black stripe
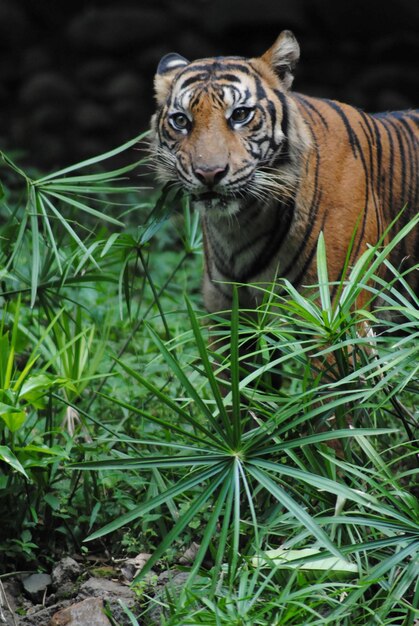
x=414 y=117
x=366 y=120
x=284 y=156
x=285 y=111
x=402 y=161
x=272 y=113
x=196 y=98
x=379 y=153
x=260 y=91
x=390 y=170
x=262 y=140
x=357 y=151
x=374 y=182
x=314 y=209
x=240 y=178
x=231 y=78
x=308 y=112
x=298 y=280
x=213 y=65
x=192 y=80
x=279 y=231
x=254 y=153
x=309 y=105
x=410 y=144
x=352 y=136
x=258 y=125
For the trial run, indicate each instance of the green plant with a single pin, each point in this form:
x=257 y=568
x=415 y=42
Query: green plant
x=255 y=598
x=27 y=457
x=177 y=440
x=41 y=212
x=74 y=293
x=252 y=453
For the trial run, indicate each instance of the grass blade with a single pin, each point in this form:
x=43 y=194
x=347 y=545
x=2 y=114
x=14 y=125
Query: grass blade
x=93 y=160
x=323 y=279
x=187 y=483
x=209 y=371
x=174 y=406
x=293 y=507
x=183 y=521
x=83 y=207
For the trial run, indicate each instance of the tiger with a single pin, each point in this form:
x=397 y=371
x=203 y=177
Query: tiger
x=269 y=169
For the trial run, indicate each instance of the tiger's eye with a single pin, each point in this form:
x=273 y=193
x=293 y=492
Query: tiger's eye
x=179 y=121
x=241 y=115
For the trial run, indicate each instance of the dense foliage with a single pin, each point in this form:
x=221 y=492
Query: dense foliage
x=124 y=427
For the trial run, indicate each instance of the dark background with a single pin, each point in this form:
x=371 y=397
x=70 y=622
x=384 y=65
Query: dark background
x=76 y=77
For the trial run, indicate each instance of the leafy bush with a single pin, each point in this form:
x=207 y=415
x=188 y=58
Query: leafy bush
x=75 y=290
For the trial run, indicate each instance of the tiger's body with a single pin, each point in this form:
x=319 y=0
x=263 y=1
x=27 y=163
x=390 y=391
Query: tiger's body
x=269 y=169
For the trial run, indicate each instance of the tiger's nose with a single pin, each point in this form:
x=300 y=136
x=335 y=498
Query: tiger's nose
x=210 y=176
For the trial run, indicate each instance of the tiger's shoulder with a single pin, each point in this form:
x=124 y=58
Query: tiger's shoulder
x=328 y=114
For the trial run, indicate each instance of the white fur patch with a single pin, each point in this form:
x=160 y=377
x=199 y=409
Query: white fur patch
x=278 y=134
x=175 y=63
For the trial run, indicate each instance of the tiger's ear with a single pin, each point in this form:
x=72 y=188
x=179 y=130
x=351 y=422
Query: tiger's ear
x=283 y=57
x=167 y=69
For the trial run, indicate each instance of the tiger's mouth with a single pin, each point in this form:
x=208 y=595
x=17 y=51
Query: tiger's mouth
x=214 y=196
x=213 y=201
x=217 y=205
x=207 y=196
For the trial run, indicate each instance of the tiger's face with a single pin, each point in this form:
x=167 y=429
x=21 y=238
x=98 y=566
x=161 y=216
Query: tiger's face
x=222 y=125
